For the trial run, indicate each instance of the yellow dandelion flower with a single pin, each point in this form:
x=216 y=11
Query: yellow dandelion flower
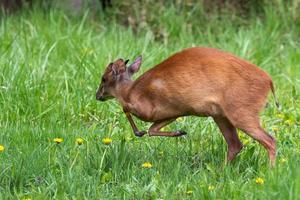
x=107 y=141
x=283 y=160
x=259 y=181
x=189 y=192
x=179 y=119
x=275 y=129
x=246 y=141
x=147 y=165
x=289 y=122
x=1 y=148
x=58 y=140
x=164 y=129
x=26 y=198
x=79 y=141
x=211 y=188
x=280 y=115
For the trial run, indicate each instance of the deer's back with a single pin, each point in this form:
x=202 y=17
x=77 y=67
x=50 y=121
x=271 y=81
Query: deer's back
x=197 y=78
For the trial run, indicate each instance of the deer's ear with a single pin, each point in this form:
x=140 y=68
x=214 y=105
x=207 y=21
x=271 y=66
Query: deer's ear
x=117 y=70
x=135 y=66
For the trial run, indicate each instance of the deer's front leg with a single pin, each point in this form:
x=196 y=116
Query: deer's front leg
x=155 y=129
x=133 y=126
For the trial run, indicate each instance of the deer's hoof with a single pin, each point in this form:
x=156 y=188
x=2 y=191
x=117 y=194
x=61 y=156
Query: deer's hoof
x=140 y=133
x=180 y=133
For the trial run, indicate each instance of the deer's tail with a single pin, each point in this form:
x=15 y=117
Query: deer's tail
x=273 y=92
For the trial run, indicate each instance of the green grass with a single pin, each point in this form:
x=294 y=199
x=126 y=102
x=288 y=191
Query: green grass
x=50 y=68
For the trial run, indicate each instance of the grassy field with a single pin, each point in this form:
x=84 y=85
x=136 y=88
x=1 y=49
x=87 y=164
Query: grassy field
x=50 y=67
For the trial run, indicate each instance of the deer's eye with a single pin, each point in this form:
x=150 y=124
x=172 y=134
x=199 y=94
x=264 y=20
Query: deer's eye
x=103 y=80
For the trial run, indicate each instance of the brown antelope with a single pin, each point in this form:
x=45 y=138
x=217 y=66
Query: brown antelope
x=196 y=81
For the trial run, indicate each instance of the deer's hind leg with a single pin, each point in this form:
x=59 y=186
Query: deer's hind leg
x=249 y=123
x=230 y=134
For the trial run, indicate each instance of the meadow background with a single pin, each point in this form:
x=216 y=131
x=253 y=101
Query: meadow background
x=51 y=61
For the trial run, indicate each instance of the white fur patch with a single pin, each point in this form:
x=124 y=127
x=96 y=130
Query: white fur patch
x=157 y=84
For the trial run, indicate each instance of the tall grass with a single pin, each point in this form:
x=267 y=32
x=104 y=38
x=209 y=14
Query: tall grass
x=50 y=66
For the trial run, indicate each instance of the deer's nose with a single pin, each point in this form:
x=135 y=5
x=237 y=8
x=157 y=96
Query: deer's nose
x=100 y=98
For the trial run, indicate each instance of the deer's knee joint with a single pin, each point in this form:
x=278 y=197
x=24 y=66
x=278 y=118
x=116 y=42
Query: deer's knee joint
x=151 y=132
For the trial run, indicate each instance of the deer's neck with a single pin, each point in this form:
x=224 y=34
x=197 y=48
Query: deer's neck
x=130 y=98
x=122 y=92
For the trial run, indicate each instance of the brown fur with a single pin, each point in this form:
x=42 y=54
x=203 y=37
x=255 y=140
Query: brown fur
x=202 y=82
